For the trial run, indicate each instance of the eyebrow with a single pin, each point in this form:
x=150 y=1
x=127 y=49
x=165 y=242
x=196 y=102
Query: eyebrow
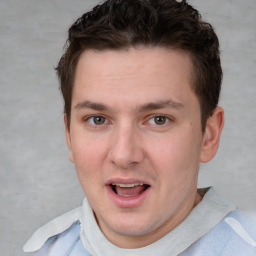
x=143 y=108
x=160 y=105
x=91 y=105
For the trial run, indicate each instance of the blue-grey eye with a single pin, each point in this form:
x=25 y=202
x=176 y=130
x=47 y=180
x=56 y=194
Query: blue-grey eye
x=97 y=120
x=158 y=120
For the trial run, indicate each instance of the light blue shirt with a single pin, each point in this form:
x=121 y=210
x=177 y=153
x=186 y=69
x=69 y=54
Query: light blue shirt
x=202 y=233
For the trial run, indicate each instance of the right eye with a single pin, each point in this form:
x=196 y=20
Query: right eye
x=97 y=120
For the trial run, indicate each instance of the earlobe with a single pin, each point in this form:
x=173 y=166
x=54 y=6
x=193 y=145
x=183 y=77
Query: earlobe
x=68 y=138
x=212 y=134
x=71 y=158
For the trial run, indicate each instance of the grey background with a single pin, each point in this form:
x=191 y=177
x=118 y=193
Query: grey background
x=37 y=182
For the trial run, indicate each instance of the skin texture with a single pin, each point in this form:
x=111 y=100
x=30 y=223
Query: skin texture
x=147 y=130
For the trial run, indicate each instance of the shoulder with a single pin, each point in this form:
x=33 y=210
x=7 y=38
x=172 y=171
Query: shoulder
x=237 y=232
x=242 y=225
x=65 y=227
x=234 y=235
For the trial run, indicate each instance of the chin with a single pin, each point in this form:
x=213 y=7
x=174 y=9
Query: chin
x=132 y=226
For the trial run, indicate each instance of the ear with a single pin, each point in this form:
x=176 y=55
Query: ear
x=68 y=138
x=211 y=137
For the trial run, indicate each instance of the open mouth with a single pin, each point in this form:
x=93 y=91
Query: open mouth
x=129 y=190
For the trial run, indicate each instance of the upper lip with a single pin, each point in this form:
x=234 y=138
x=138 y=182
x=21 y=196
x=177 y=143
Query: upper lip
x=126 y=181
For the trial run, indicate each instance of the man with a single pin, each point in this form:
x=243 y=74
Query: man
x=141 y=81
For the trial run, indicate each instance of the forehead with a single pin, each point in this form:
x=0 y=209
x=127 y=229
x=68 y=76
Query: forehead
x=131 y=60
x=142 y=73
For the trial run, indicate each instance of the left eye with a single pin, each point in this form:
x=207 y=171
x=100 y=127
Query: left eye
x=159 y=120
x=97 y=120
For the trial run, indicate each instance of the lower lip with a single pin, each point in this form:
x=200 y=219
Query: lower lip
x=127 y=202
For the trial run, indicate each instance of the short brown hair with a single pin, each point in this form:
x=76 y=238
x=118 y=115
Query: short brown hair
x=120 y=24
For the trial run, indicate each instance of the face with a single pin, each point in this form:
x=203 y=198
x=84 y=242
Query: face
x=136 y=141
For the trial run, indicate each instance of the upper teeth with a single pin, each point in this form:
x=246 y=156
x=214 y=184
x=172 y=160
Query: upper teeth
x=127 y=185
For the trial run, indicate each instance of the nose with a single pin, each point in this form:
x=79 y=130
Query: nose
x=126 y=147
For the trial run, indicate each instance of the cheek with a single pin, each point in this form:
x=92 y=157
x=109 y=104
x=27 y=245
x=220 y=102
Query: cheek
x=88 y=165
x=178 y=153
x=86 y=147
x=88 y=155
